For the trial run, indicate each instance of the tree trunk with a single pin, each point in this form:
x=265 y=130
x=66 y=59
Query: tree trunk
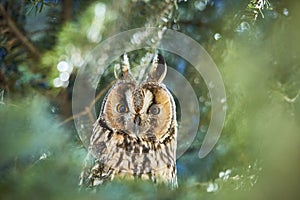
x=67 y=8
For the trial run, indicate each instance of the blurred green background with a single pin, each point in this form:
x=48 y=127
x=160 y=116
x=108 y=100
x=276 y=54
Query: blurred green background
x=255 y=44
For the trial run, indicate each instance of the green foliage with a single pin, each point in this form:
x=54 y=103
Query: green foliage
x=35 y=151
x=37 y=5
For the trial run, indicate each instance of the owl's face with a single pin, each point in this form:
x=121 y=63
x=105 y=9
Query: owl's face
x=143 y=110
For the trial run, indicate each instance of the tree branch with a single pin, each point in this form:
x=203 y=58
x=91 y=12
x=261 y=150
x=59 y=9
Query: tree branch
x=16 y=31
x=87 y=110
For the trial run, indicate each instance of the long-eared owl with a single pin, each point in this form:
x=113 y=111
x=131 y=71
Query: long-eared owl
x=135 y=135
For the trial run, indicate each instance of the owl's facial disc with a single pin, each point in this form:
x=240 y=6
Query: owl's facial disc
x=138 y=110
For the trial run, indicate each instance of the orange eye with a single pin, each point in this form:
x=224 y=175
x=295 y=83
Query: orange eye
x=122 y=108
x=154 y=110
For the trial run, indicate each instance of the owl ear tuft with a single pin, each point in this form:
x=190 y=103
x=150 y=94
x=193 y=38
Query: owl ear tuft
x=123 y=71
x=158 y=69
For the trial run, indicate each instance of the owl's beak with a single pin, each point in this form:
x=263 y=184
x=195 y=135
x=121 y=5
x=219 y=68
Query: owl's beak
x=137 y=120
x=137 y=123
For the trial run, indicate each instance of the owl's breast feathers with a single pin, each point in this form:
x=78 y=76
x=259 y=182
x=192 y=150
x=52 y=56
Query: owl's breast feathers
x=116 y=154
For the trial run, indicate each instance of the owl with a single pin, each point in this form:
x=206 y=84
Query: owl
x=135 y=135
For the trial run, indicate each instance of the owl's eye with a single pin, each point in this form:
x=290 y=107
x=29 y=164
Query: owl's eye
x=122 y=108
x=154 y=110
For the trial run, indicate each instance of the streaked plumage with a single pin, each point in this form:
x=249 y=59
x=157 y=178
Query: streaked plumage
x=135 y=135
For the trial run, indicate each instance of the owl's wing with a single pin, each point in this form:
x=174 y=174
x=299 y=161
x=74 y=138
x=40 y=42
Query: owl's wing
x=92 y=173
x=84 y=176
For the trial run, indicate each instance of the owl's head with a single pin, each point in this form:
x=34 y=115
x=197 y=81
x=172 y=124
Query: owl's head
x=144 y=110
